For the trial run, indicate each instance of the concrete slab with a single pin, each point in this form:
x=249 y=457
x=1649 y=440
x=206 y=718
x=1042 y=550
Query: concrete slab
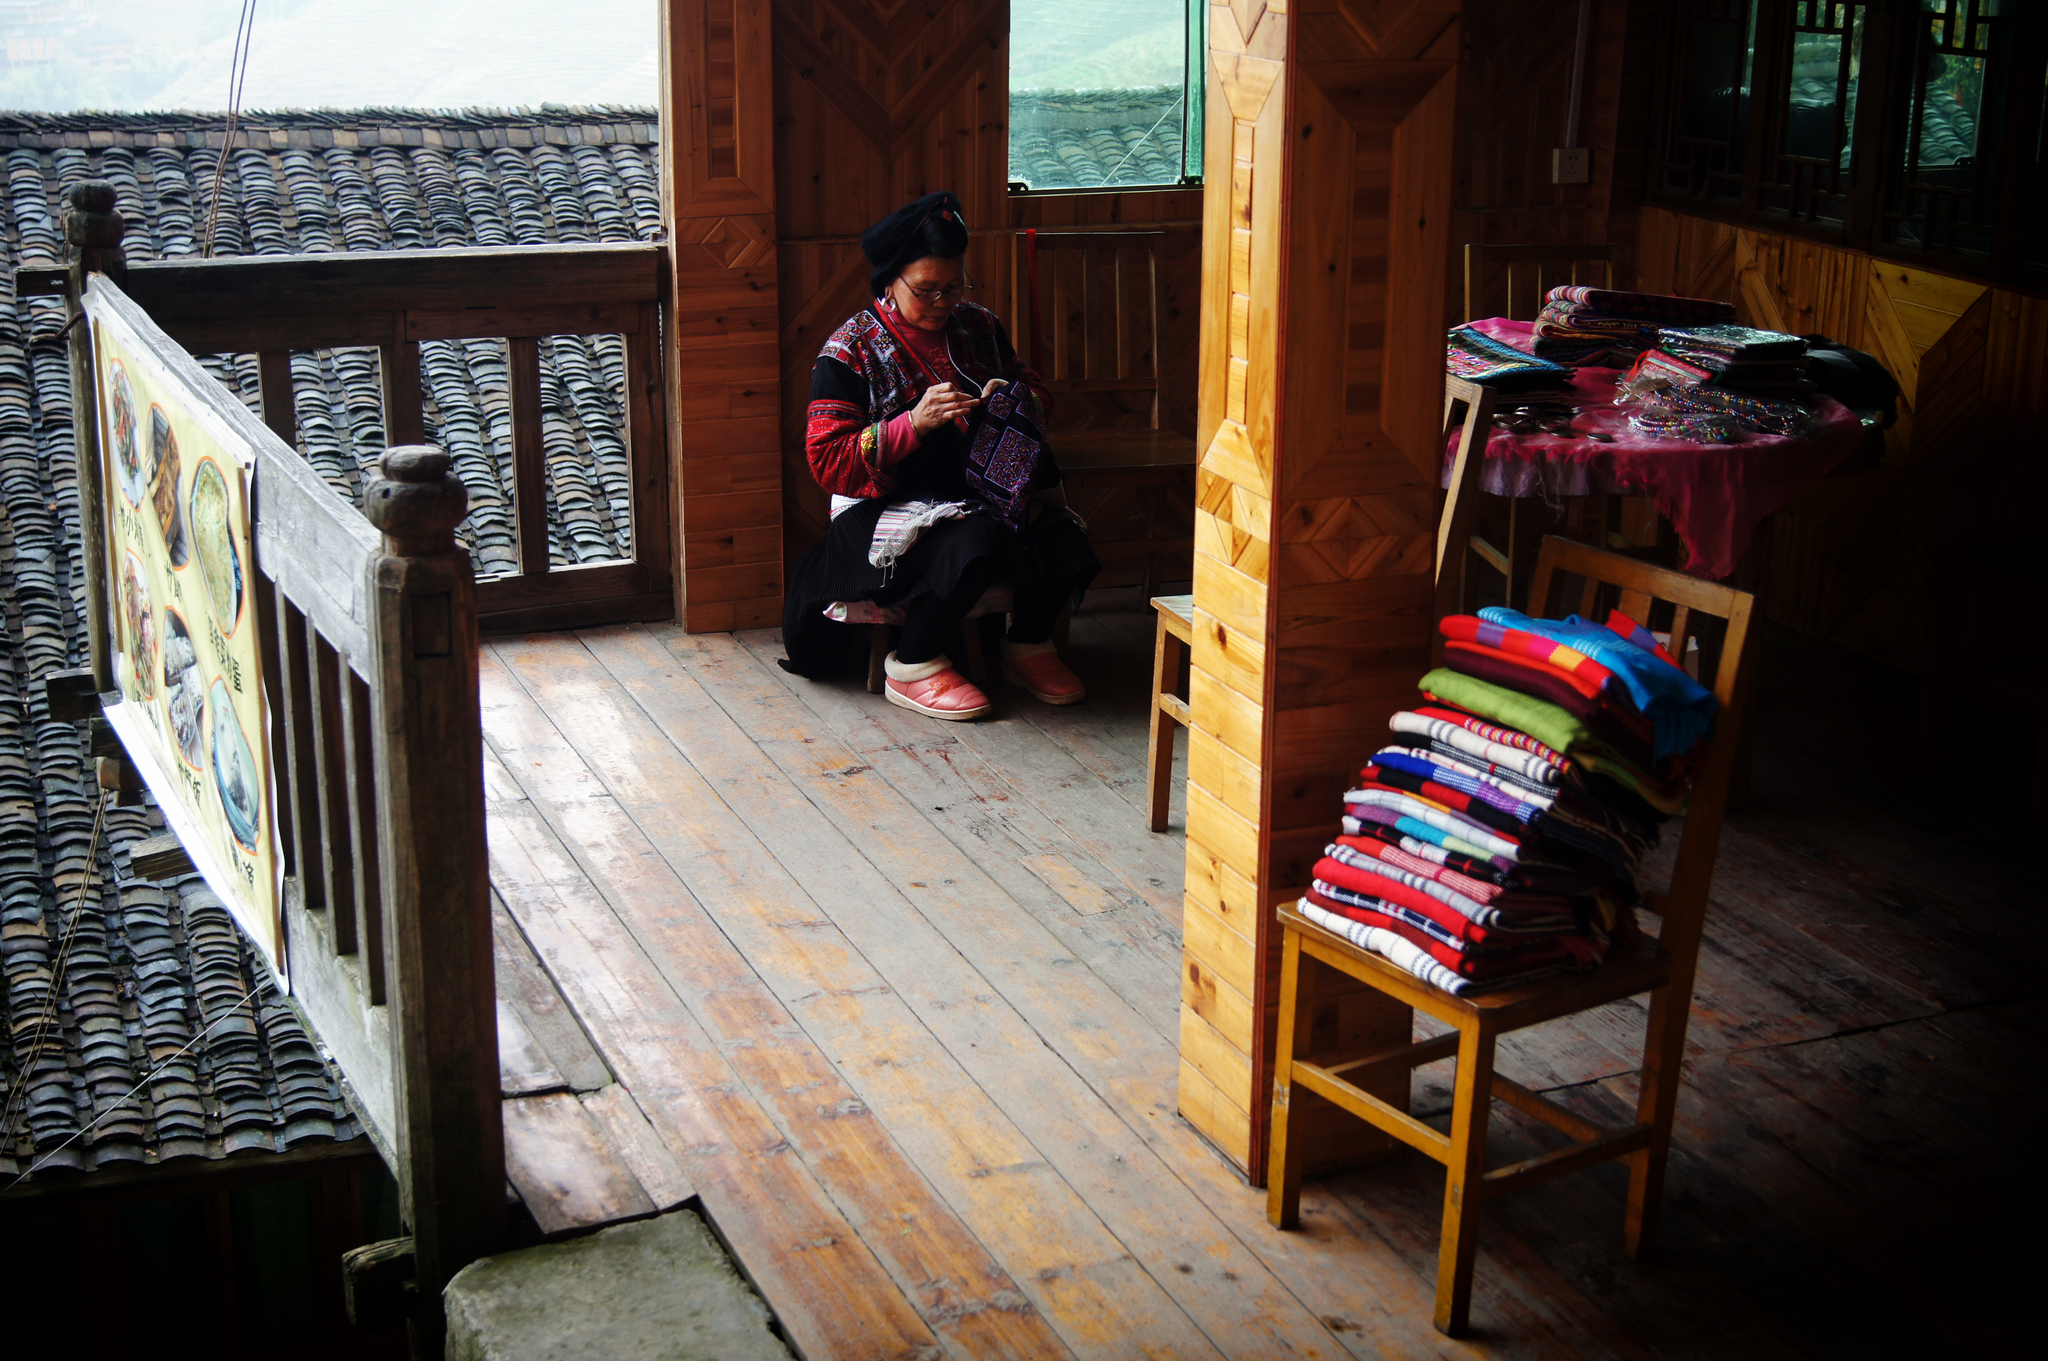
x=658 y=1290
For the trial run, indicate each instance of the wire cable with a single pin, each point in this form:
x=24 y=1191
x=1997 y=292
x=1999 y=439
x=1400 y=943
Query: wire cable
x=126 y=1096
x=1110 y=179
x=238 y=73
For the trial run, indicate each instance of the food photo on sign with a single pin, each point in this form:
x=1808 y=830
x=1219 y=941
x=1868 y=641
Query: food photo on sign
x=175 y=478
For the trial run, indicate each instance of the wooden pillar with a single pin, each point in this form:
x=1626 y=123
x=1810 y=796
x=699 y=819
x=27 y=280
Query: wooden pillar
x=1325 y=258
x=718 y=199
x=93 y=230
x=430 y=816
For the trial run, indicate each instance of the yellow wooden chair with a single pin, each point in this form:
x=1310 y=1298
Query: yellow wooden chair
x=1663 y=967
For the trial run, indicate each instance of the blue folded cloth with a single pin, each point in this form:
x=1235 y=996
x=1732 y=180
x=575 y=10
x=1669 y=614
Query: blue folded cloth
x=1680 y=709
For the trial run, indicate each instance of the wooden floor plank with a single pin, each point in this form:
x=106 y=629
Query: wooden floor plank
x=1847 y=1110
x=1133 y=950
x=1006 y=762
x=1237 y=1303
x=837 y=1291
x=1080 y=1276
x=565 y=1168
x=553 y=1048
x=1130 y=1065
x=639 y=1147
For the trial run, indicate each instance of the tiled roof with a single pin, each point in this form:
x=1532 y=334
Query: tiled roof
x=147 y=995
x=385 y=180
x=1086 y=139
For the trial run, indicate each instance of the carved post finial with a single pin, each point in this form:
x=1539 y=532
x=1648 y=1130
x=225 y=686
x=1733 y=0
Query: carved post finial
x=417 y=501
x=94 y=229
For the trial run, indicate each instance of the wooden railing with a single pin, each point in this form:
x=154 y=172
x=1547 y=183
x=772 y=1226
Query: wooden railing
x=367 y=638
x=394 y=300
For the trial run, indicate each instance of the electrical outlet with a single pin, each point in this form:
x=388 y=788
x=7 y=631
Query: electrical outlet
x=1570 y=165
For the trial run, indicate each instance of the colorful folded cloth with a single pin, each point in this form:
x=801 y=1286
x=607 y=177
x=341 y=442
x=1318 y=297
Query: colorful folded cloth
x=1461 y=957
x=1467 y=919
x=1487 y=840
x=1479 y=869
x=1544 y=768
x=1416 y=860
x=1629 y=630
x=1585 y=687
x=1501 y=823
x=1359 y=816
x=1506 y=737
x=1665 y=309
x=1729 y=341
x=1405 y=954
x=1680 y=710
x=1470 y=628
x=1428 y=749
x=1608 y=722
x=1479 y=358
x=1461 y=774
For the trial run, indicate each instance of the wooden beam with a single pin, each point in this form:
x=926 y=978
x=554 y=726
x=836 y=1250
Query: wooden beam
x=160 y=857
x=583 y=274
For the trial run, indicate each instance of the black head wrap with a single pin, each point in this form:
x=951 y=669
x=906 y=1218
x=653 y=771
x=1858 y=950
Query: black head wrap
x=933 y=225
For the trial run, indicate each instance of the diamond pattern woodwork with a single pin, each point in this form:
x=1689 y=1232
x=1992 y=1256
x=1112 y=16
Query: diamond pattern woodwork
x=1326 y=248
x=723 y=242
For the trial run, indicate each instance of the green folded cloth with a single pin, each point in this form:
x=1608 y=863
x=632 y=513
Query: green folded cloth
x=1542 y=720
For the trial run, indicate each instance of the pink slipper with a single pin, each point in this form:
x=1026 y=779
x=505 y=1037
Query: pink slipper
x=934 y=689
x=1038 y=668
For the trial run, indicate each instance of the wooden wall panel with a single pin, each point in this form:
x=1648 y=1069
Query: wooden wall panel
x=1848 y=559
x=1512 y=107
x=1326 y=233
x=718 y=189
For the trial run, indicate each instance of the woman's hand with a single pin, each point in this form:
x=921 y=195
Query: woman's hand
x=941 y=402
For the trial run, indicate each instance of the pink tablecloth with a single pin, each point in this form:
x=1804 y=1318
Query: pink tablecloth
x=1714 y=495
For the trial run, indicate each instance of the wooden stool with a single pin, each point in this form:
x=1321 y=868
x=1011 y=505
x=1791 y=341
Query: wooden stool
x=1662 y=967
x=1170 y=648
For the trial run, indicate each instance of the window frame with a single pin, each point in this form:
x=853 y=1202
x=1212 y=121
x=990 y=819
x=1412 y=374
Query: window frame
x=1877 y=190
x=1193 y=109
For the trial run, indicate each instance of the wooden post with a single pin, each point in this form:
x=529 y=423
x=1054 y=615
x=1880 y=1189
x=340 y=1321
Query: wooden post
x=93 y=230
x=1325 y=260
x=430 y=817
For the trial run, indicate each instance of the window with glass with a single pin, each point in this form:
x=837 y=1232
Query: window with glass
x=1907 y=127
x=1106 y=96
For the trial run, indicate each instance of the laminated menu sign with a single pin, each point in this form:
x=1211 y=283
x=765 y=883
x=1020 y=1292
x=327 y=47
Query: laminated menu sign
x=175 y=487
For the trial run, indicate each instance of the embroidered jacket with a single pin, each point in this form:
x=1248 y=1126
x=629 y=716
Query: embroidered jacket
x=867 y=374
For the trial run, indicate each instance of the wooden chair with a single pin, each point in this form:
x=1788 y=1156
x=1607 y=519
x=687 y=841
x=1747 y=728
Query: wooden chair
x=1170 y=647
x=1662 y=967
x=1530 y=272
x=1113 y=329
x=1539 y=268
x=1454 y=524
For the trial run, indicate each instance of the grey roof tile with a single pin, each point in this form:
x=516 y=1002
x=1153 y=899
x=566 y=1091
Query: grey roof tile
x=154 y=965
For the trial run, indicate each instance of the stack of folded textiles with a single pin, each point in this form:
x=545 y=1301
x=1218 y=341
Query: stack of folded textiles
x=1581 y=325
x=1738 y=357
x=1498 y=837
x=1479 y=358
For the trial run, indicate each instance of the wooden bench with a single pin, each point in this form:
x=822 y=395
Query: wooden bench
x=1111 y=326
x=1170 y=648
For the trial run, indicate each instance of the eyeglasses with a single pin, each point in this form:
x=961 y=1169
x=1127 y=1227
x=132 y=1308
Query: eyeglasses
x=949 y=292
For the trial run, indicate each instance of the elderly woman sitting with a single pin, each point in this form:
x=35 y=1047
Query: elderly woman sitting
x=928 y=433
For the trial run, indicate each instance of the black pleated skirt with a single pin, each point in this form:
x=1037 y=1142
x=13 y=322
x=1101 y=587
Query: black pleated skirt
x=1050 y=555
